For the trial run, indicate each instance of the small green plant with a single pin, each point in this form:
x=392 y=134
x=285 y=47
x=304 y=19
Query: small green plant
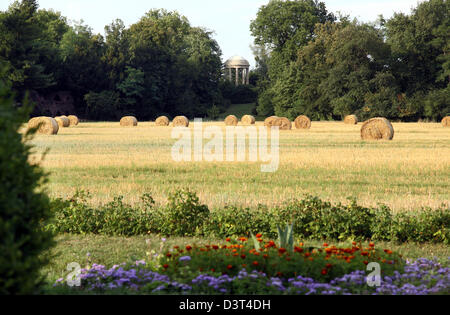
x=286 y=237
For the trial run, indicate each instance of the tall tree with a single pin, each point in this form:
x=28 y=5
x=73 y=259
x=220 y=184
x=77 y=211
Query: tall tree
x=22 y=46
x=81 y=53
x=281 y=28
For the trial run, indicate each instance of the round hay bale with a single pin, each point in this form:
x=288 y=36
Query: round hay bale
x=162 y=121
x=283 y=123
x=45 y=125
x=446 y=121
x=270 y=121
x=180 y=121
x=129 y=121
x=351 y=120
x=63 y=121
x=377 y=129
x=231 y=120
x=248 y=120
x=302 y=122
x=74 y=121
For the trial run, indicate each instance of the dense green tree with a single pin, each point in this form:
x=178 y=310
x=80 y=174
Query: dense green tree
x=280 y=29
x=344 y=70
x=181 y=64
x=81 y=54
x=116 y=53
x=23 y=46
x=421 y=45
x=421 y=48
x=24 y=206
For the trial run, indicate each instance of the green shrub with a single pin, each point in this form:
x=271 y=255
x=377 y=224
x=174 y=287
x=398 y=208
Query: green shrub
x=184 y=215
x=311 y=218
x=23 y=207
x=233 y=220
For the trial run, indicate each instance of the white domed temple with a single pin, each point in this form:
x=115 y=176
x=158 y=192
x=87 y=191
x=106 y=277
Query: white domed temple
x=237 y=69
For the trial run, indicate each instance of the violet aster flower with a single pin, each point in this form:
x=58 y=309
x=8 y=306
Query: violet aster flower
x=185 y=258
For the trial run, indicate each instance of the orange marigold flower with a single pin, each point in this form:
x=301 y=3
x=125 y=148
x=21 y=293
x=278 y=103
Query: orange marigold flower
x=329 y=266
x=298 y=249
x=243 y=256
x=213 y=270
x=282 y=250
x=235 y=255
x=365 y=262
x=234 y=250
x=307 y=254
x=215 y=247
x=228 y=239
x=243 y=239
x=244 y=265
x=353 y=243
x=371 y=244
x=169 y=255
x=188 y=247
x=176 y=247
x=229 y=267
x=166 y=266
x=310 y=259
x=259 y=235
x=325 y=245
x=255 y=263
x=256 y=254
x=364 y=253
x=260 y=240
x=266 y=256
x=324 y=272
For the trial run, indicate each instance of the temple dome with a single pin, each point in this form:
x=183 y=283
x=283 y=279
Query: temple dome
x=237 y=61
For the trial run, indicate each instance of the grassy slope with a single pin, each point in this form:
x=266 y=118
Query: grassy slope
x=238 y=110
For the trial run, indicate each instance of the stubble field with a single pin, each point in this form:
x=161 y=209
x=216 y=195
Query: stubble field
x=330 y=161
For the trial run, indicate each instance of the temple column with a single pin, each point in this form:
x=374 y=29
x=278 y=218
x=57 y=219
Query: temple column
x=237 y=77
x=248 y=76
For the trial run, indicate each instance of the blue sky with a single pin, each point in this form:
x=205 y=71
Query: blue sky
x=229 y=19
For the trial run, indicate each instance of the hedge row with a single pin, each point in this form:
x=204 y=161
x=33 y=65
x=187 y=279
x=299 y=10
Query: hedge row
x=184 y=215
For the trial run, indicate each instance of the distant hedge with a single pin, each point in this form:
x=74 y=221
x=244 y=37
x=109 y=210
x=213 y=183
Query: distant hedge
x=313 y=218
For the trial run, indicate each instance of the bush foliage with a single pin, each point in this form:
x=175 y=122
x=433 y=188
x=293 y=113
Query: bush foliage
x=23 y=208
x=311 y=217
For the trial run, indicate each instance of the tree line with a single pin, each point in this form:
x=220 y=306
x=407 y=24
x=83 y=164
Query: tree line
x=315 y=63
x=309 y=61
x=159 y=65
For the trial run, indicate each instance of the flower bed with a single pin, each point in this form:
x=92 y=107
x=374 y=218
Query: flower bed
x=238 y=268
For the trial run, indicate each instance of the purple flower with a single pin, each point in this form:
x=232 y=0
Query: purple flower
x=185 y=258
